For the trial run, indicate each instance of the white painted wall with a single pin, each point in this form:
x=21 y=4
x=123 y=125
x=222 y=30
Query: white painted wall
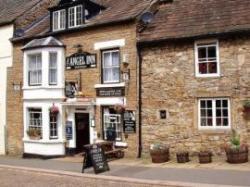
x=6 y=32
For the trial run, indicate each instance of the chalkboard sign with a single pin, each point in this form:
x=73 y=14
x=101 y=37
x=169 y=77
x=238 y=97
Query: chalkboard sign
x=110 y=92
x=96 y=155
x=129 y=122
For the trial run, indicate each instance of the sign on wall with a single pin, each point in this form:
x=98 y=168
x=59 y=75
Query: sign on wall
x=70 y=89
x=110 y=92
x=129 y=122
x=69 y=130
x=81 y=61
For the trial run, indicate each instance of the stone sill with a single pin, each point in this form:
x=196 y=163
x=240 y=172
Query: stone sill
x=215 y=131
x=111 y=85
x=44 y=141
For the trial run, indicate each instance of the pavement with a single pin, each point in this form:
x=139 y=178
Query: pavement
x=204 y=175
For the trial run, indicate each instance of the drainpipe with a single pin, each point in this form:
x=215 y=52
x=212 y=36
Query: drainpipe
x=139 y=151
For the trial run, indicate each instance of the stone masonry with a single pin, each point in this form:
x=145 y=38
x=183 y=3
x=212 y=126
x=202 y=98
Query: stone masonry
x=169 y=83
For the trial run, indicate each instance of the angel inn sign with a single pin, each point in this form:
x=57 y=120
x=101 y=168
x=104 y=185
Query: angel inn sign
x=81 y=61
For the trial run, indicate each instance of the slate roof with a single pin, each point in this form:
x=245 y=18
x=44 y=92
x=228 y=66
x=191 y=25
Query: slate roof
x=192 y=18
x=11 y=9
x=116 y=11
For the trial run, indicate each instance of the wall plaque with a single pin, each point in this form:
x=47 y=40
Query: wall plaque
x=129 y=122
x=69 y=130
x=110 y=92
x=81 y=61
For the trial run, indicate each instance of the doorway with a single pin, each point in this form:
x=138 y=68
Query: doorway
x=82 y=131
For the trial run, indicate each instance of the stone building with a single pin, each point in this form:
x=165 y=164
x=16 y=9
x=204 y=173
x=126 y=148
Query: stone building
x=78 y=67
x=195 y=62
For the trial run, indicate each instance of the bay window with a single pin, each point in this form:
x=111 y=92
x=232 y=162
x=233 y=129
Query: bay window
x=35 y=69
x=207 y=59
x=214 y=113
x=59 y=20
x=111 y=66
x=35 y=119
x=52 y=68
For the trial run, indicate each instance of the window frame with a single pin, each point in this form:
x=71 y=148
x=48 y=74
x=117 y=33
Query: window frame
x=207 y=43
x=102 y=66
x=54 y=129
x=214 y=126
x=54 y=68
x=75 y=16
x=37 y=70
x=59 y=20
x=41 y=119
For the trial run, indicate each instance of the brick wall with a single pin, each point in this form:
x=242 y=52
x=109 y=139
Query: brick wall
x=169 y=82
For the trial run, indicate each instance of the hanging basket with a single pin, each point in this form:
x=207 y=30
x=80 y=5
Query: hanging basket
x=54 y=110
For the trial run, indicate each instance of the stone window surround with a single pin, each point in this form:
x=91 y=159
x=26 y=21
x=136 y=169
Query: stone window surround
x=214 y=127
x=205 y=42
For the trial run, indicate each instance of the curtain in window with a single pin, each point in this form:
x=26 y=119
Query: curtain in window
x=111 y=67
x=53 y=68
x=35 y=69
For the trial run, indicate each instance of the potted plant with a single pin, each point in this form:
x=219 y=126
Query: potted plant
x=159 y=153
x=246 y=110
x=205 y=156
x=119 y=108
x=182 y=155
x=236 y=151
x=34 y=134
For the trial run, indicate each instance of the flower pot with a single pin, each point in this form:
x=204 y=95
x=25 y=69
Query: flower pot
x=160 y=155
x=237 y=156
x=205 y=157
x=182 y=157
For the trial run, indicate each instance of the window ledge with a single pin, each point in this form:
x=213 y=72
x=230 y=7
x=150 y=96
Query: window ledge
x=110 y=85
x=42 y=87
x=215 y=130
x=208 y=76
x=27 y=140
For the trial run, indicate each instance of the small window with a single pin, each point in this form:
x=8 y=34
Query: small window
x=111 y=66
x=214 y=113
x=59 y=20
x=163 y=114
x=53 y=127
x=53 y=68
x=112 y=125
x=35 y=69
x=35 y=119
x=75 y=16
x=207 y=59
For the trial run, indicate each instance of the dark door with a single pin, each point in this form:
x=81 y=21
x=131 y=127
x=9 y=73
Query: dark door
x=82 y=130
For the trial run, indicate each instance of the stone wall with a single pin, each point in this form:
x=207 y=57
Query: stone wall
x=169 y=83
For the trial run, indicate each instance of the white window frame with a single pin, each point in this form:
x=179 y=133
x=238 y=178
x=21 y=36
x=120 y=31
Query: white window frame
x=113 y=81
x=118 y=125
x=214 y=127
x=61 y=18
x=41 y=120
x=53 y=132
x=53 y=68
x=207 y=43
x=75 y=16
x=36 y=70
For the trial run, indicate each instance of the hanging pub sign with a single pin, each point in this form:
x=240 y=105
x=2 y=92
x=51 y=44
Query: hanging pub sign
x=110 y=92
x=129 y=122
x=81 y=61
x=69 y=130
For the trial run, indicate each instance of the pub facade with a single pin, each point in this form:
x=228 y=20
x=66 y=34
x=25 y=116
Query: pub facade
x=78 y=67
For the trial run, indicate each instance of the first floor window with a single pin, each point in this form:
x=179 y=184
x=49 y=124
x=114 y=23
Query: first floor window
x=214 y=113
x=112 y=125
x=53 y=127
x=35 y=69
x=53 y=68
x=35 y=121
x=111 y=66
x=207 y=59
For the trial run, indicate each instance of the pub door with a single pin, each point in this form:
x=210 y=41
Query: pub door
x=82 y=131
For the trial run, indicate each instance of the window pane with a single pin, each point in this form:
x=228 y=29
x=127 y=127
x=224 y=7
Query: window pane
x=225 y=122
x=225 y=113
x=115 y=59
x=203 y=113
x=211 y=52
x=225 y=103
x=218 y=112
x=107 y=60
x=218 y=121
x=62 y=19
x=116 y=74
x=209 y=103
x=210 y=121
x=203 y=122
x=209 y=113
x=202 y=52
x=71 y=17
x=203 y=68
x=203 y=104
x=79 y=15
x=218 y=103
x=212 y=67
x=55 y=20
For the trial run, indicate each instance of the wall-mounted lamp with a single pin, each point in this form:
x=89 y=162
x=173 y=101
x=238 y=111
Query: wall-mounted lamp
x=126 y=70
x=17 y=86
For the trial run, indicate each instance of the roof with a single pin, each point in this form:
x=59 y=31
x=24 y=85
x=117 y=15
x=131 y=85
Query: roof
x=44 y=42
x=192 y=18
x=116 y=11
x=11 y=9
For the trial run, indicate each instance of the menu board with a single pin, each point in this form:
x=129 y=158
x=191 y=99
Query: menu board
x=129 y=122
x=98 y=159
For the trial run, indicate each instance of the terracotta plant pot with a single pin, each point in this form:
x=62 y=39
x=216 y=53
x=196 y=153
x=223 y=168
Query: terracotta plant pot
x=182 y=157
x=237 y=156
x=160 y=155
x=205 y=157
